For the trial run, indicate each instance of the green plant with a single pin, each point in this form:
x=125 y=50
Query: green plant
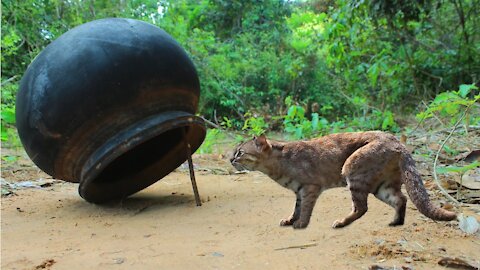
x=211 y=139
x=254 y=125
x=296 y=124
x=226 y=123
x=376 y=120
x=7 y=114
x=461 y=170
x=448 y=106
x=450 y=151
x=7 y=122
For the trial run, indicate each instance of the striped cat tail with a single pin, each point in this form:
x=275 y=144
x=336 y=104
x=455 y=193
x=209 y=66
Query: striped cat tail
x=417 y=193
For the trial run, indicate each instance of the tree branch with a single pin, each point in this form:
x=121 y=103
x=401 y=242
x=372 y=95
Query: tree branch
x=435 y=177
x=9 y=80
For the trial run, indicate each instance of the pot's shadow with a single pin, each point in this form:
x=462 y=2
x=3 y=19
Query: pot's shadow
x=134 y=205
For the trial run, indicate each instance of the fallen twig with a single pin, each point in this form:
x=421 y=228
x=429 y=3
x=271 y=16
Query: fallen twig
x=298 y=246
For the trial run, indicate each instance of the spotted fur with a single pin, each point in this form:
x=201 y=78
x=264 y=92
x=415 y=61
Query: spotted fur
x=367 y=162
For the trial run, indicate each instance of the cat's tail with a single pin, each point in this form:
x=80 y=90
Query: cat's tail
x=417 y=193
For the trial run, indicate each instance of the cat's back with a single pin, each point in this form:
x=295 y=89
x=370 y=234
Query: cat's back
x=337 y=145
x=341 y=145
x=348 y=140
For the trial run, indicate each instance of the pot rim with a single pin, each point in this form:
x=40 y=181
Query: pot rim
x=95 y=190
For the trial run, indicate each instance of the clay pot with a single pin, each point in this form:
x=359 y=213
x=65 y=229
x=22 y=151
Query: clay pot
x=111 y=105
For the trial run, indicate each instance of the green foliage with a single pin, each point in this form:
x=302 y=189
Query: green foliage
x=254 y=125
x=211 y=140
x=7 y=116
x=450 y=151
x=362 y=62
x=296 y=124
x=377 y=120
x=9 y=158
x=458 y=169
x=451 y=104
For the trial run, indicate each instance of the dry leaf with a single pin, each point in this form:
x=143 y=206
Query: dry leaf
x=456 y=263
x=471 y=179
x=472 y=156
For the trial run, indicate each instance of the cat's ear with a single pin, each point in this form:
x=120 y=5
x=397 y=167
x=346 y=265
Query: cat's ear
x=262 y=143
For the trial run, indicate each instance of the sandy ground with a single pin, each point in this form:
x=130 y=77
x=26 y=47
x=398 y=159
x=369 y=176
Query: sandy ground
x=236 y=228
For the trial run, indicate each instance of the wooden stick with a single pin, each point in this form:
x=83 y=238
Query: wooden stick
x=190 y=167
x=299 y=246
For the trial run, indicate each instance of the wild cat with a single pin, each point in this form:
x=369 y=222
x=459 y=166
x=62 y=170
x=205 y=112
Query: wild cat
x=367 y=162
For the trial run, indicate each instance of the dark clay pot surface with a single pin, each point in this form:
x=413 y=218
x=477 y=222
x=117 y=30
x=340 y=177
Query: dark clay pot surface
x=110 y=104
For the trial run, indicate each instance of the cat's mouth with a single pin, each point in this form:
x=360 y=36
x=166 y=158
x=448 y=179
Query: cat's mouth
x=239 y=166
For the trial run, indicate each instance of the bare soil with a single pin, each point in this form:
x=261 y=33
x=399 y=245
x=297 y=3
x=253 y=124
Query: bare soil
x=52 y=227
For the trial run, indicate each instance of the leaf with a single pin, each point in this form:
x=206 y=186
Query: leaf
x=292 y=111
x=8 y=115
x=4 y=136
x=288 y=101
x=299 y=132
x=314 y=121
x=456 y=263
x=373 y=73
x=388 y=120
x=472 y=156
x=449 y=150
x=10 y=158
x=458 y=169
x=465 y=89
x=324 y=121
x=470 y=180
x=300 y=112
x=445 y=96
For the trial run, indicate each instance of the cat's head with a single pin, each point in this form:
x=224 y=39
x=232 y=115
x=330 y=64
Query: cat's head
x=250 y=154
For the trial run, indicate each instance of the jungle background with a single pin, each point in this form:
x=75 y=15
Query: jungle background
x=303 y=68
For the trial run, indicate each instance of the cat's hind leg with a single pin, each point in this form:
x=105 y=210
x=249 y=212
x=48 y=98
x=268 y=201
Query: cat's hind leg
x=393 y=196
x=359 y=208
x=295 y=215
x=360 y=171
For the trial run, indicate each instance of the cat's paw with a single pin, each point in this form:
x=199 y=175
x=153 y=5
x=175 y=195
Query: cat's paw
x=286 y=222
x=300 y=224
x=395 y=223
x=338 y=224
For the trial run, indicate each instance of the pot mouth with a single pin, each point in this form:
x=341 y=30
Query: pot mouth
x=140 y=155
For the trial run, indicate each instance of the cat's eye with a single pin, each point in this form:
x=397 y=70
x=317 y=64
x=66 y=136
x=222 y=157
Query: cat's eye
x=239 y=153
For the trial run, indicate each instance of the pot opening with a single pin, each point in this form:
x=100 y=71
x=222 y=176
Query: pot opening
x=143 y=156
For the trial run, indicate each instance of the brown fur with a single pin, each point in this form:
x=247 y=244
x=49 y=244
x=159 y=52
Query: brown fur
x=367 y=162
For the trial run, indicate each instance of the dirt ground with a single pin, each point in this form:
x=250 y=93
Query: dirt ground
x=49 y=226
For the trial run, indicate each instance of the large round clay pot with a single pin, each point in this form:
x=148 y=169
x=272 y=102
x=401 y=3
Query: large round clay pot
x=110 y=104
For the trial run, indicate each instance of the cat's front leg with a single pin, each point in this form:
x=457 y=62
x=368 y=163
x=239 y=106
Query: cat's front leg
x=309 y=195
x=295 y=215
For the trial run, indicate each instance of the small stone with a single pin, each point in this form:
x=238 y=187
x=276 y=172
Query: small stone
x=379 y=241
x=119 y=260
x=217 y=254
